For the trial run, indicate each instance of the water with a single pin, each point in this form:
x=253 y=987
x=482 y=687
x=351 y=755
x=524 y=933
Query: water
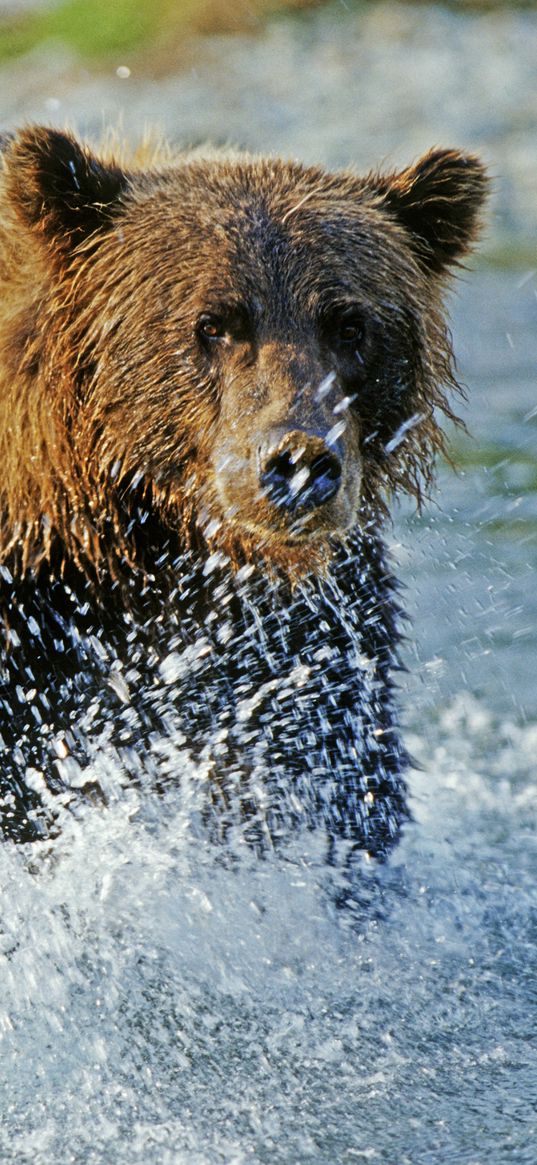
x=162 y=1003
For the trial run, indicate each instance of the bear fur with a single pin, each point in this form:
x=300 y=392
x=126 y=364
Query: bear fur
x=216 y=370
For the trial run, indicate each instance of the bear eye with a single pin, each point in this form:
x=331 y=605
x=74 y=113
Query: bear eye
x=344 y=327
x=349 y=327
x=211 y=327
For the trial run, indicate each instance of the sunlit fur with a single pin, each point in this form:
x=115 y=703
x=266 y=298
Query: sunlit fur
x=102 y=380
x=170 y=325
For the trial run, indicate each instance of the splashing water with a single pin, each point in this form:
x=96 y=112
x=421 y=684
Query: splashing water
x=167 y=1000
x=163 y=1004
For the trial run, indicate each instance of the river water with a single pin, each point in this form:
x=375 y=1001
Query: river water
x=164 y=1006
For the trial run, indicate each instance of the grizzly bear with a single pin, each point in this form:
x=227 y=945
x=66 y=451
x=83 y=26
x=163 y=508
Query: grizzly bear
x=216 y=370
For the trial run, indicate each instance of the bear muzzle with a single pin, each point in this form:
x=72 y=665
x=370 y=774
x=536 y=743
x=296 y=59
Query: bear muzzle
x=299 y=472
x=291 y=484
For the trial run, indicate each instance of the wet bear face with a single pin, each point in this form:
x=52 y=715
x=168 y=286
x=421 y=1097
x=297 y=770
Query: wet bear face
x=256 y=346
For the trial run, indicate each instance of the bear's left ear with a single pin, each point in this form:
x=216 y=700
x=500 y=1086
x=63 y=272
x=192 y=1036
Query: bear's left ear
x=438 y=201
x=59 y=187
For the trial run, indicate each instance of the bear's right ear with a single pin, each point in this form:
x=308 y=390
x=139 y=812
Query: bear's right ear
x=59 y=187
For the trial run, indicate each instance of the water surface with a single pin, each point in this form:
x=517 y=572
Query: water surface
x=163 y=1005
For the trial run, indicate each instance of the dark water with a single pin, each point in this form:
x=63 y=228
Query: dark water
x=160 y=1007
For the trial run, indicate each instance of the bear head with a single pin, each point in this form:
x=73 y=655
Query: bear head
x=250 y=353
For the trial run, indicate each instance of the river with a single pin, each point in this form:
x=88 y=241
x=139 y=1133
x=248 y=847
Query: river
x=160 y=1005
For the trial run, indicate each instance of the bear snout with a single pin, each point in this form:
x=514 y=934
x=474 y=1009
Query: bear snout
x=300 y=472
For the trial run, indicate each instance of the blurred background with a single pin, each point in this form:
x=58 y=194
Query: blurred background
x=350 y=81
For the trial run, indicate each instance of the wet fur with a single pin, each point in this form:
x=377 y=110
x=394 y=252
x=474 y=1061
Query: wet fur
x=112 y=416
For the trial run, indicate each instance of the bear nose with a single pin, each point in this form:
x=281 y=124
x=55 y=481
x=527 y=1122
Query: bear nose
x=302 y=474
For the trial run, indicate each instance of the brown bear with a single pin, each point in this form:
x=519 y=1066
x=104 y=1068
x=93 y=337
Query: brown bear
x=215 y=372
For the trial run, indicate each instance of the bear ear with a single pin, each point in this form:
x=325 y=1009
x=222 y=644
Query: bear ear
x=438 y=201
x=59 y=187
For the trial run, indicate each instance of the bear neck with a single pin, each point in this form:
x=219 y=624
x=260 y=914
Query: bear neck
x=283 y=692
